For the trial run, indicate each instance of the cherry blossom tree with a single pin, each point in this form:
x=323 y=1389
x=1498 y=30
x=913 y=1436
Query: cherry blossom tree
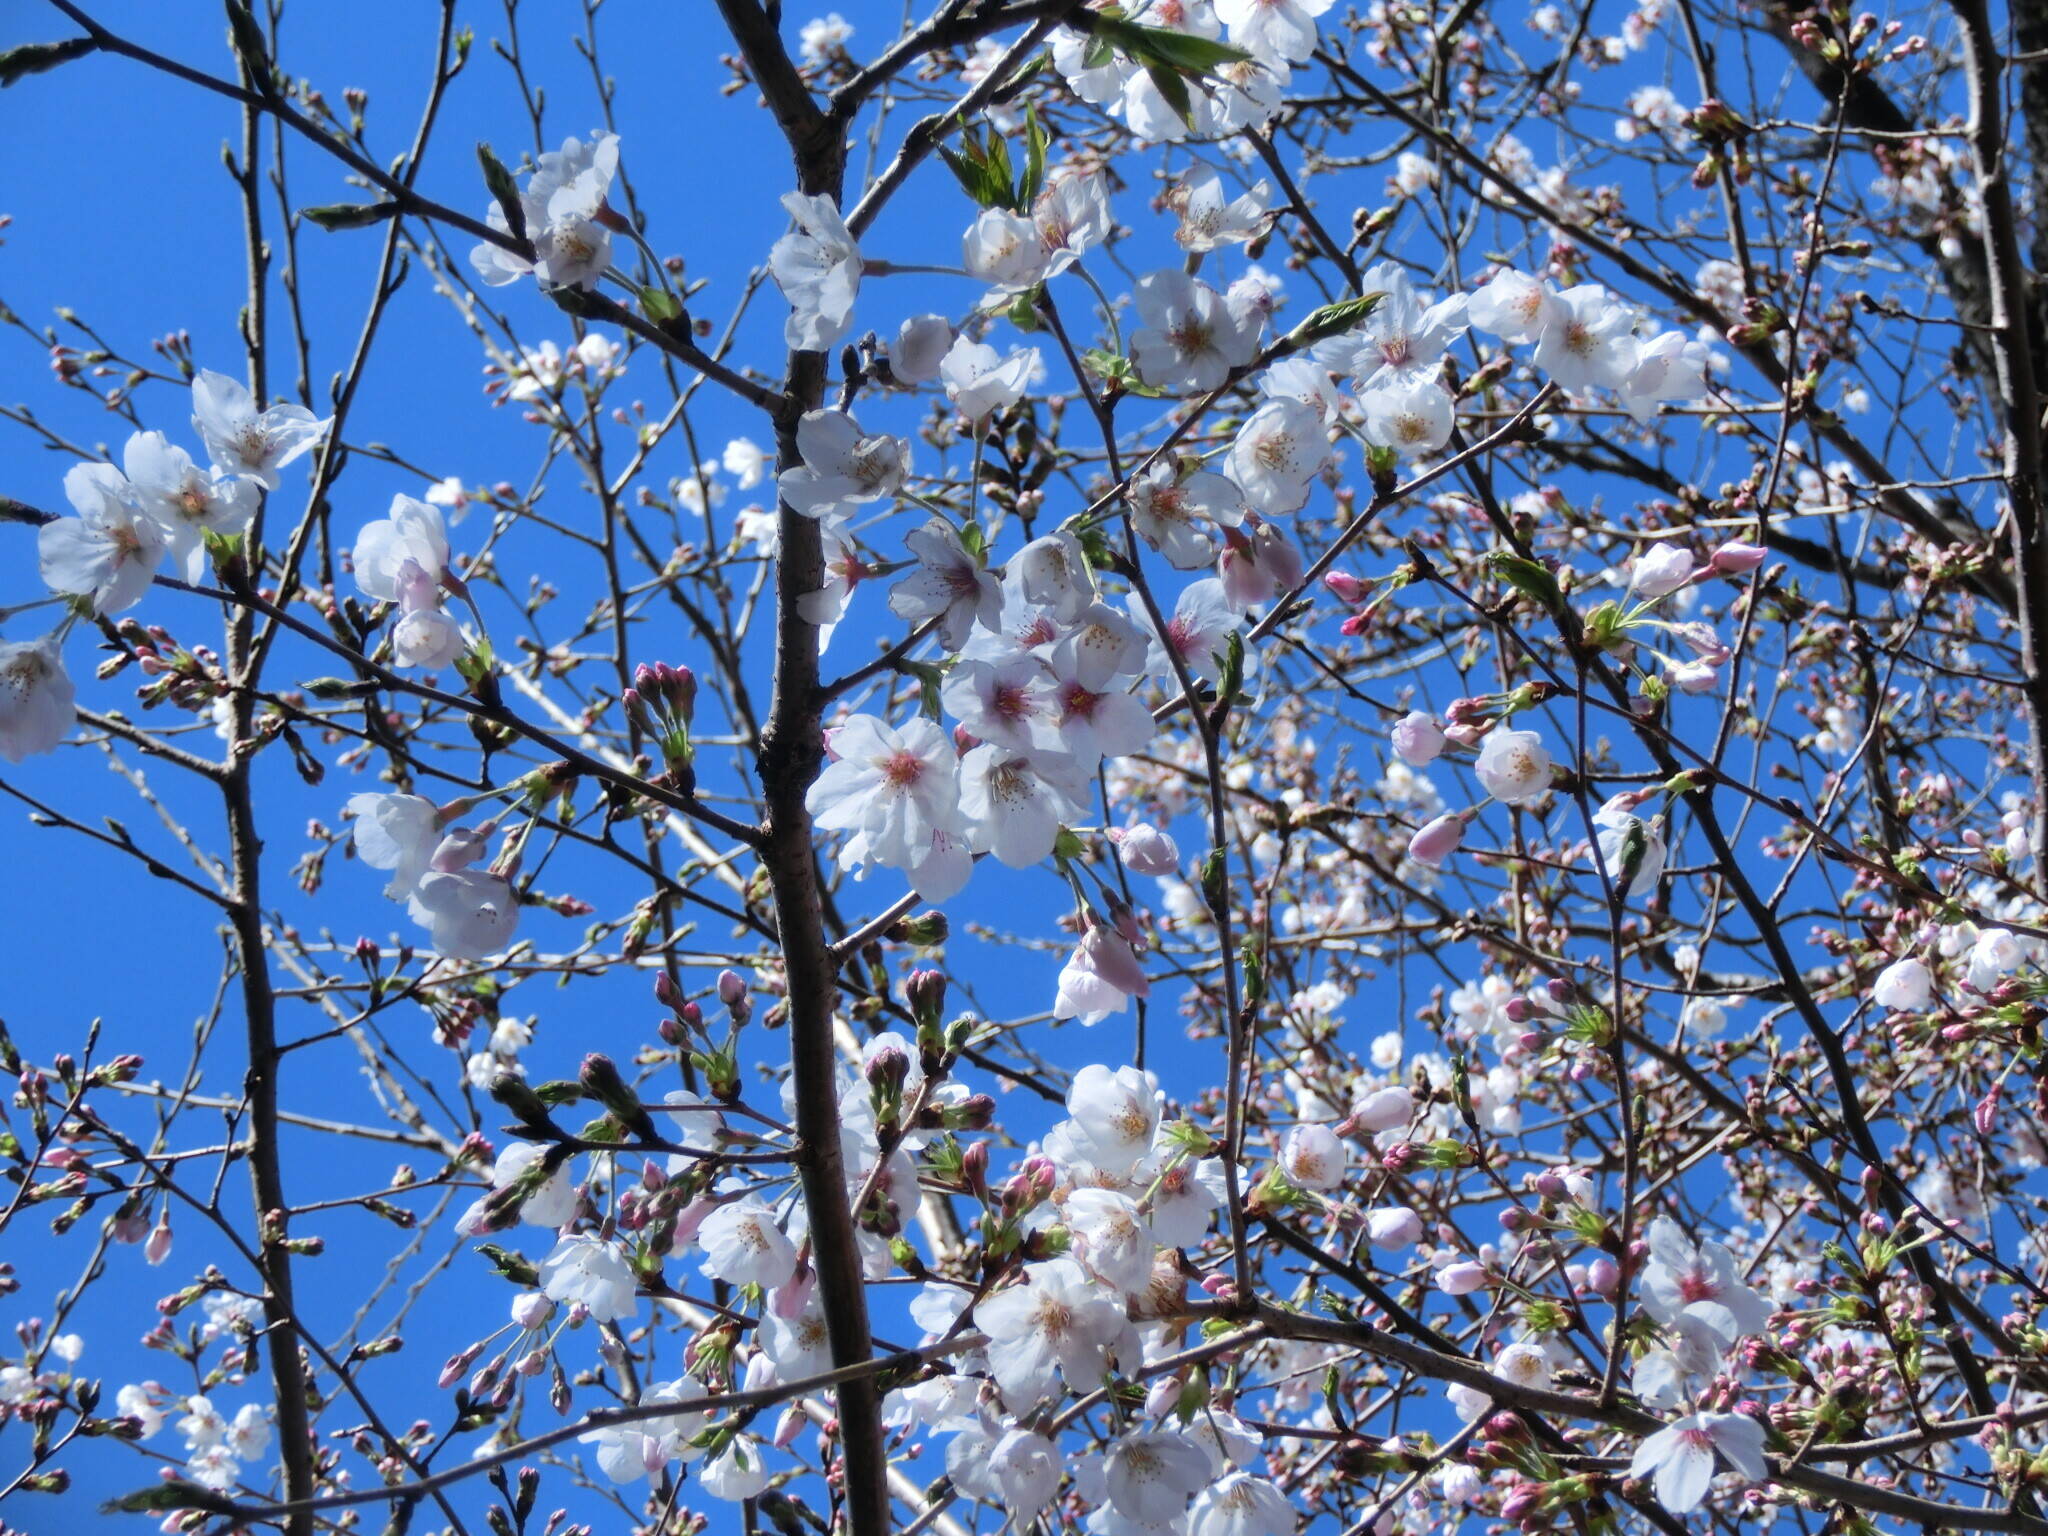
x=1293 y=780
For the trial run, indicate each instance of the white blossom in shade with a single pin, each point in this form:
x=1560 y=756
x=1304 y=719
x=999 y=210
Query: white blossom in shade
x=1026 y=1468
x=561 y=203
x=143 y=1403
x=38 y=704
x=593 y=1272
x=244 y=440
x=1014 y=704
x=1670 y=366
x=248 y=1434
x=1315 y=1157
x=950 y=584
x=1699 y=1281
x=1384 y=1109
x=1402 y=336
x=215 y=1467
x=1004 y=249
x=1460 y=1483
x=743 y=1245
x=747 y=462
x=1190 y=340
x=818 y=268
x=1072 y=215
x=1211 y=217
x=1255 y=298
x=1650 y=106
x=895 y=786
x=1523 y=1365
x=823 y=38
x=1616 y=821
x=110 y=551
x=1513 y=306
x=1679 y=1458
x=1102 y=645
x=1112 y=1238
x=1277 y=455
x=1661 y=1376
x=1096 y=723
x=1053 y=572
x=1188 y=1193
x=1283 y=30
x=843 y=467
x=628 y=1452
x=1146 y=850
x=1995 y=953
x=800 y=1346
x=1413 y=173
x=1177 y=513
x=1418 y=740
x=633 y=1451
x=1904 y=986
x=1057 y=1321
x=1411 y=415
x=1393 y=1227
x=1113 y=1116
x=469 y=913
x=1303 y=379
x=921 y=344
x=1660 y=570
x=1013 y=808
x=394 y=832
x=187 y=502
x=401 y=558
x=1241 y=1505
x=426 y=637
x=1100 y=978
x=981 y=382
x=1513 y=766
x=736 y=1473
x=552 y=1202
x=1587 y=341
x=201 y=1424
x=1152 y=1476
x=1197 y=632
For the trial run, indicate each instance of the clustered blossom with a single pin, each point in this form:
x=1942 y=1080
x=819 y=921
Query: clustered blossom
x=158 y=505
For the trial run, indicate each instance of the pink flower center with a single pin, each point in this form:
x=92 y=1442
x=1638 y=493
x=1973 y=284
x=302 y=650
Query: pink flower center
x=903 y=770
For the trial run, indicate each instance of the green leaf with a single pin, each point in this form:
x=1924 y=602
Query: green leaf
x=164 y=1497
x=250 y=43
x=1332 y=320
x=1034 y=158
x=1175 y=90
x=511 y=1265
x=659 y=305
x=349 y=215
x=37 y=58
x=1182 y=51
x=504 y=189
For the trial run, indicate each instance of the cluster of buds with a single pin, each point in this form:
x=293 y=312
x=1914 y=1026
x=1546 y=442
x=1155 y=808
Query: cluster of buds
x=661 y=704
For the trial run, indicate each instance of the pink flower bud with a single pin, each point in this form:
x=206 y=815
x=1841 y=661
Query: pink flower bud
x=1736 y=558
x=1461 y=1278
x=731 y=990
x=1146 y=850
x=1602 y=1276
x=1345 y=587
x=158 y=1248
x=1437 y=840
x=1418 y=739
